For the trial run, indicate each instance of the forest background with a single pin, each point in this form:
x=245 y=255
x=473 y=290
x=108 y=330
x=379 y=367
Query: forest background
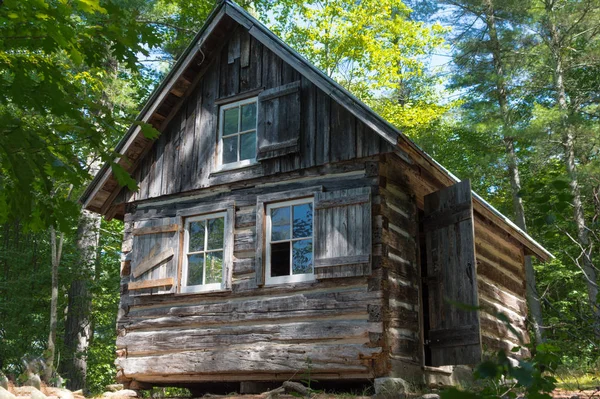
x=503 y=92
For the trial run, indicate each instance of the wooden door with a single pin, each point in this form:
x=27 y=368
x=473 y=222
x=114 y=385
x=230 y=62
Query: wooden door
x=454 y=335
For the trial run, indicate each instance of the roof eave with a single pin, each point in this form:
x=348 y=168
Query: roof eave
x=104 y=171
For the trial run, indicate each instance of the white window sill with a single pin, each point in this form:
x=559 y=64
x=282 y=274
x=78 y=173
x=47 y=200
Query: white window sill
x=203 y=290
x=298 y=278
x=234 y=167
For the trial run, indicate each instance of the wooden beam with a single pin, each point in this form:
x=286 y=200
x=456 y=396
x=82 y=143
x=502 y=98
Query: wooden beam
x=156 y=229
x=140 y=285
x=151 y=263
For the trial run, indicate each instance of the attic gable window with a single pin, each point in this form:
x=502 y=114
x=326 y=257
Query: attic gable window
x=237 y=134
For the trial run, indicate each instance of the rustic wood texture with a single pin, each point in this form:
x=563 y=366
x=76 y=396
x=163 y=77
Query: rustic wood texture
x=155 y=253
x=342 y=227
x=500 y=270
x=153 y=261
x=161 y=282
x=338 y=316
x=300 y=126
x=365 y=315
x=395 y=229
x=452 y=277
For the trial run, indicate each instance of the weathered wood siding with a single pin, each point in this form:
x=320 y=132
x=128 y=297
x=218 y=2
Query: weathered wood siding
x=333 y=326
x=500 y=265
x=183 y=158
x=397 y=223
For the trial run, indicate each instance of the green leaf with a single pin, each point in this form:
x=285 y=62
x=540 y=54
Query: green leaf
x=123 y=177
x=148 y=130
x=487 y=369
x=92 y=6
x=524 y=376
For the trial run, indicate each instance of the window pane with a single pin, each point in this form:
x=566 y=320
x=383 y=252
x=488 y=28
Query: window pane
x=230 y=149
x=195 y=269
x=303 y=257
x=303 y=215
x=248 y=146
x=215 y=233
x=196 y=230
x=280 y=259
x=280 y=223
x=230 y=121
x=249 y=117
x=214 y=267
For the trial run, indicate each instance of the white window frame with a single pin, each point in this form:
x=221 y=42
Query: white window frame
x=245 y=162
x=297 y=278
x=186 y=240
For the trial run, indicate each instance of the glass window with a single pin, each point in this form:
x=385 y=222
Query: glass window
x=203 y=246
x=238 y=133
x=289 y=241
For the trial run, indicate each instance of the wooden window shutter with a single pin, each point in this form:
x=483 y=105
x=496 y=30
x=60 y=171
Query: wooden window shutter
x=343 y=233
x=454 y=336
x=155 y=256
x=278 y=129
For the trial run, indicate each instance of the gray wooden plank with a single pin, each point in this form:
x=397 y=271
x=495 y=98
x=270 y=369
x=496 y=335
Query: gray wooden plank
x=451 y=268
x=343 y=133
x=323 y=128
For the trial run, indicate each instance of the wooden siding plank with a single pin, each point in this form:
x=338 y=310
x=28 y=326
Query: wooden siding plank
x=452 y=276
x=262 y=358
x=155 y=229
x=343 y=133
x=139 y=285
x=152 y=262
x=343 y=240
x=323 y=128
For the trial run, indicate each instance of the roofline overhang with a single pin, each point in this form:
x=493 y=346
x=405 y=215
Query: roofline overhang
x=386 y=130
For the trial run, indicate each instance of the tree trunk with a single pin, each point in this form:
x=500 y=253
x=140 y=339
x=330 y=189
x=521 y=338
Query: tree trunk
x=568 y=142
x=78 y=329
x=56 y=248
x=533 y=300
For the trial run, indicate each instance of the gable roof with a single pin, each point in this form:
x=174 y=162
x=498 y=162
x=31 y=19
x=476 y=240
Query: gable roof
x=169 y=95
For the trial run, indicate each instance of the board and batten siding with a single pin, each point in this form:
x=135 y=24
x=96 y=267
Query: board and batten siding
x=183 y=158
x=251 y=332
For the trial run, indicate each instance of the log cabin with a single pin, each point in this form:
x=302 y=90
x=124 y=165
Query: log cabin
x=281 y=225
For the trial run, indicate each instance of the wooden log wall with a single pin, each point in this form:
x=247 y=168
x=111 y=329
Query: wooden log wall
x=333 y=326
x=500 y=266
x=397 y=219
x=183 y=158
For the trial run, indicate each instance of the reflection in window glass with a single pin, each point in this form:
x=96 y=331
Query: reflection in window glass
x=248 y=146
x=230 y=121
x=238 y=132
x=204 y=251
x=195 y=269
x=196 y=230
x=303 y=223
x=230 y=145
x=291 y=240
x=302 y=256
x=214 y=267
x=215 y=233
x=248 y=117
x=280 y=223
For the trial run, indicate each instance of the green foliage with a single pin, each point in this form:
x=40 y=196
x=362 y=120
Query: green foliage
x=374 y=49
x=501 y=378
x=56 y=62
x=105 y=302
